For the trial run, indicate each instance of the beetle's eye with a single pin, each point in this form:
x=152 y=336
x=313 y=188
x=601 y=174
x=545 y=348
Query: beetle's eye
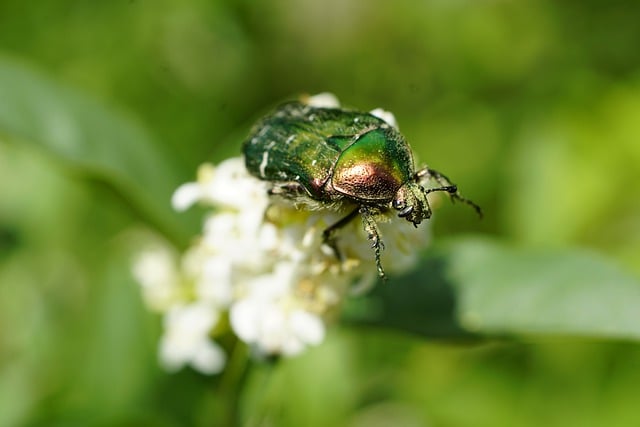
x=397 y=204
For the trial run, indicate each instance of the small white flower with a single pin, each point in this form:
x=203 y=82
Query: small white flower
x=274 y=328
x=186 y=339
x=215 y=283
x=213 y=187
x=156 y=270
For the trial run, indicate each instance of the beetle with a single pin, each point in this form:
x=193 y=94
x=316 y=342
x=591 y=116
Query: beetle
x=338 y=158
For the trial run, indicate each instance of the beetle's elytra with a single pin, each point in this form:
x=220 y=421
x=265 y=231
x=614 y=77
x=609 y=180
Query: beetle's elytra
x=338 y=158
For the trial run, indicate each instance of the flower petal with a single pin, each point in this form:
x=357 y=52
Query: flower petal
x=323 y=100
x=186 y=196
x=387 y=116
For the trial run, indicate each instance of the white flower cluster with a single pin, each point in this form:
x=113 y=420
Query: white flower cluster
x=260 y=268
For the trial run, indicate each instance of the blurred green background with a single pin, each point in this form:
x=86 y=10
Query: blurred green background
x=531 y=106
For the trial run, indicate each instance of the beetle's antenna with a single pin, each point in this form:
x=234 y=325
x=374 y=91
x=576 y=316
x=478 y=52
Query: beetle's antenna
x=456 y=196
x=427 y=173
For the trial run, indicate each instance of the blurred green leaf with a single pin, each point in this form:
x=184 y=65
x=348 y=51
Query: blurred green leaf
x=90 y=139
x=485 y=287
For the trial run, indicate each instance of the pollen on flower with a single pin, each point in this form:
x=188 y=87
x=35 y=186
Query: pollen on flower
x=260 y=270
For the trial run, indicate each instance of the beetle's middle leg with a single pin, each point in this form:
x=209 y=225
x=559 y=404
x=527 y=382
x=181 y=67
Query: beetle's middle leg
x=329 y=234
x=427 y=173
x=370 y=227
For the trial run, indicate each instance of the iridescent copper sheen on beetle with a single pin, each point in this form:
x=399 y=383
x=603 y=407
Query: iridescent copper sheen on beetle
x=342 y=158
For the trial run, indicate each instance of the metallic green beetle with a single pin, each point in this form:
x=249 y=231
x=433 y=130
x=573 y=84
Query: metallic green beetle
x=338 y=158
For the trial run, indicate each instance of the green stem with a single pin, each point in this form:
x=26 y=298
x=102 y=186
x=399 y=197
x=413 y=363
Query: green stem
x=233 y=382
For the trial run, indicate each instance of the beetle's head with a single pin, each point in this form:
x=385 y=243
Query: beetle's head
x=411 y=203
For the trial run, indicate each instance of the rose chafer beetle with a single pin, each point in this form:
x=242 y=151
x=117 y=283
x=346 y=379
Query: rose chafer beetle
x=339 y=158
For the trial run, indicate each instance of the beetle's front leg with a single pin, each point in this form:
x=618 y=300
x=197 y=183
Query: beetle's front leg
x=288 y=190
x=427 y=173
x=373 y=233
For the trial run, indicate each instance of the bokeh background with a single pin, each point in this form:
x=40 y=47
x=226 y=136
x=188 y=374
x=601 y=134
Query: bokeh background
x=531 y=106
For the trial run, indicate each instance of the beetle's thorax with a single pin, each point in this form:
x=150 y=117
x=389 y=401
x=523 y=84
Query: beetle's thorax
x=373 y=167
x=411 y=203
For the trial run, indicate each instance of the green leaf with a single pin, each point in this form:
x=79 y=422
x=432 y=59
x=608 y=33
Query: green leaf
x=485 y=287
x=90 y=139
